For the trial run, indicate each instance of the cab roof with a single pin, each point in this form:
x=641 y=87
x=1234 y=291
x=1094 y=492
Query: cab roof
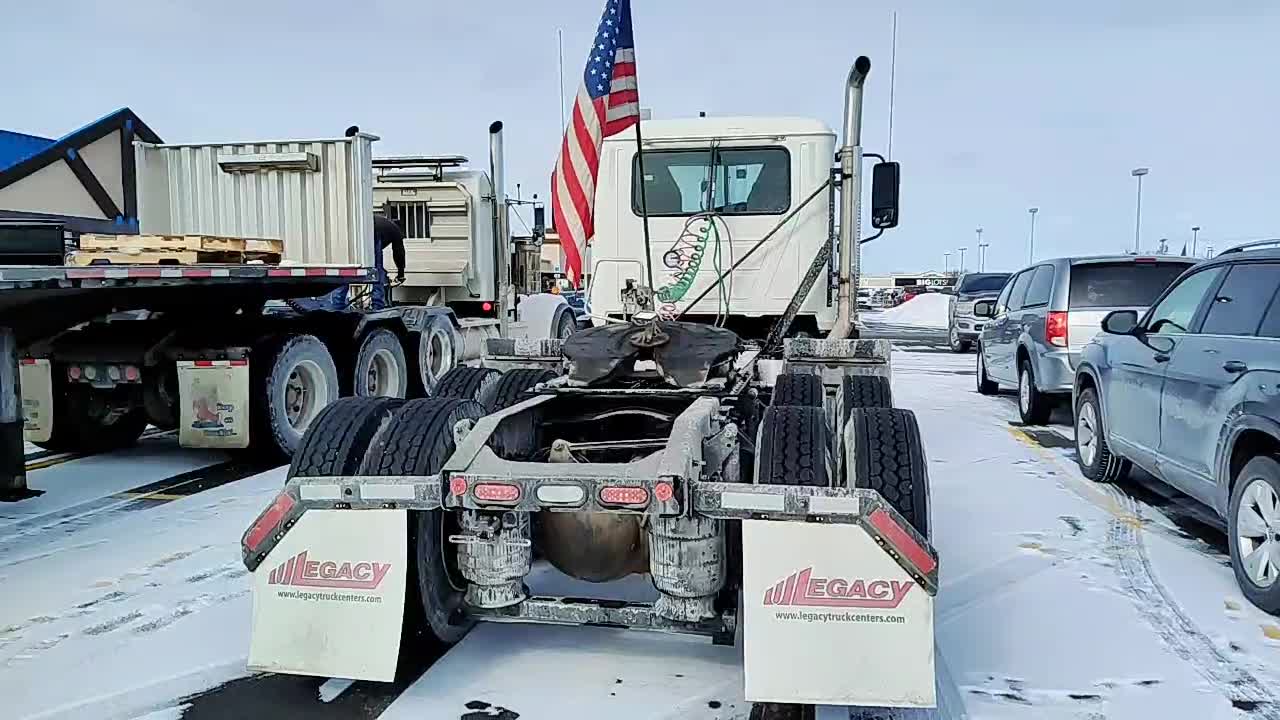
x=725 y=127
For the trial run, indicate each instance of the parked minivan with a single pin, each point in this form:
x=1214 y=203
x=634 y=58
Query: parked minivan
x=1048 y=312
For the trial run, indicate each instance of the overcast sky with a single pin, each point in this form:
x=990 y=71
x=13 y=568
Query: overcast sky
x=1001 y=106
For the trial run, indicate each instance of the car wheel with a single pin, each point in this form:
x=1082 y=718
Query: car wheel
x=1094 y=455
x=1253 y=519
x=986 y=386
x=1032 y=404
x=958 y=345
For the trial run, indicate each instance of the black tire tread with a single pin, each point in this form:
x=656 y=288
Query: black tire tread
x=463 y=382
x=335 y=444
x=794 y=447
x=865 y=391
x=798 y=390
x=516 y=438
x=889 y=458
x=513 y=386
x=420 y=437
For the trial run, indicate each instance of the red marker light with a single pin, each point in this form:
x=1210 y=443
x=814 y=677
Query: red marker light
x=457 y=485
x=619 y=495
x=663 y=492
x=268 y=521
x=496 y=492
x=486 y=306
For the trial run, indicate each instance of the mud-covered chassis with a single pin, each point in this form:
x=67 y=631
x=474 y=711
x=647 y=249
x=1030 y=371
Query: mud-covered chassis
x=499 y=464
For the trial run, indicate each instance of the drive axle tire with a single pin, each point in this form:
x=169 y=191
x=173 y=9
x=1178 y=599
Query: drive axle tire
x=798 y=390
x=865 y=391
x=883 y=452
x=437 y=352
x=466 y=383
x=292 y=379
x=516 y=438
x=381 y=369
x=793 y=447
x=418 y=441
x=337 y=441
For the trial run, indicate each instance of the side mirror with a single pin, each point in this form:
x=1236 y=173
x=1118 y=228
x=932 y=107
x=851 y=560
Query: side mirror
x=984 y=308
x=884 y=195
x=1120 y=322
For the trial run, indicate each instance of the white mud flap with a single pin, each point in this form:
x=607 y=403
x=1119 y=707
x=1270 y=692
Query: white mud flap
x=829 y=618
x=329 y=598
x=37 y=399
x=213 y=401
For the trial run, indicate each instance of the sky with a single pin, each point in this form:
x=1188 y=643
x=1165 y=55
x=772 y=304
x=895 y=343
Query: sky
x=1000 y=105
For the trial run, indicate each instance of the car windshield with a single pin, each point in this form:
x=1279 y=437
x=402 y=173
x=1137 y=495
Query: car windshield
x=983 y=283
x=1121 y=284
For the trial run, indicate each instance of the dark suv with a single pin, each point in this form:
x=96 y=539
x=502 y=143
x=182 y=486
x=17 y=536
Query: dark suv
x=962 y=326
x=1190 y=392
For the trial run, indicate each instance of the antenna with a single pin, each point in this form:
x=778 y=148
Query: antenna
x=560 y=93
x=893 y=66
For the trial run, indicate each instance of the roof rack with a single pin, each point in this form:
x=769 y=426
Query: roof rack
x=418 y=161
x=1253 y=245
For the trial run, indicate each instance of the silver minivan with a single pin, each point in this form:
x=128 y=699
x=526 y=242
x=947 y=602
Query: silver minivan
x=1047 y=313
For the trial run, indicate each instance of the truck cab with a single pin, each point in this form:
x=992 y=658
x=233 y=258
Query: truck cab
x=713 y=188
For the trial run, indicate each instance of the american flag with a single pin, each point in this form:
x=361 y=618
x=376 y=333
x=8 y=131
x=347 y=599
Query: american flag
x=608 y=102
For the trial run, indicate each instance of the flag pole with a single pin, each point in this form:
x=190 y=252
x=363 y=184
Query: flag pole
x=644 y=207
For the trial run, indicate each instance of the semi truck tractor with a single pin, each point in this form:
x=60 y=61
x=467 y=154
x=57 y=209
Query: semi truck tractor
x=767 y=487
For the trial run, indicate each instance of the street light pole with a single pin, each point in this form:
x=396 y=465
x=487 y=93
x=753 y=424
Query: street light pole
x=1031 y=246
x=946 y=263
x=1195 y=236
x=962 y=250
x=1137 y=223
x=1164 y=246
x=1208 y=251
x=982 y=256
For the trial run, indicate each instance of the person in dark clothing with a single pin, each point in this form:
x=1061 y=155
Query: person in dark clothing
x=388 y=232
x=385 y=232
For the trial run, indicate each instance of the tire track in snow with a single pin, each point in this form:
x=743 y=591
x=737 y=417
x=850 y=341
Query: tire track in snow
x=1177 y=631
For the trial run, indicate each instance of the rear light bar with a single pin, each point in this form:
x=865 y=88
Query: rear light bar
x=1055 y=329
x=268 y=522
x=496 y=493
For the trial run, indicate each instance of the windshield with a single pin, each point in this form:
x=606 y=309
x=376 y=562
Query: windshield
x=982 y=283
x=1121 y=284
x=733 y=181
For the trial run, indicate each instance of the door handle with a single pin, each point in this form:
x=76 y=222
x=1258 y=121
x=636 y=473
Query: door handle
x=1234 y=366
x=1160 y=358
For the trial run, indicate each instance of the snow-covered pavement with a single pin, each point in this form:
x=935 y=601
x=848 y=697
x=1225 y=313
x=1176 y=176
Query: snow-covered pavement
x=125 y=597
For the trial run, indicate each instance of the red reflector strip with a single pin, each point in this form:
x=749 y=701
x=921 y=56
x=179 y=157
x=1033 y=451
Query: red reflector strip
x=28 y=361
x=314 y=271
x=204 y=363
x=238 y=363
x=197 y=273
x=496 y=492
x=144 y=272
x=268 y=521
x=902 y=541
x=350 y=272
x=617 y=495
x=279 y=272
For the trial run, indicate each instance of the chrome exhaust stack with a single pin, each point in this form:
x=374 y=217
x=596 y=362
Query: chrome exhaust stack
x=501 y=227
x=850 y=197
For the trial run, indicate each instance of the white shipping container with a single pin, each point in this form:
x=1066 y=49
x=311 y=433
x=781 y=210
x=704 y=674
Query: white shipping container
x=316 y=196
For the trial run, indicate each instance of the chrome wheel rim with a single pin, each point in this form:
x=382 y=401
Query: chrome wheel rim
x=303 y=393
x=1024 y=391
x=1258 y=533
x=1087 y=434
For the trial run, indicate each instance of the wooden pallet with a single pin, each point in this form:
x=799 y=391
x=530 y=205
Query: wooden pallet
x=174 y=250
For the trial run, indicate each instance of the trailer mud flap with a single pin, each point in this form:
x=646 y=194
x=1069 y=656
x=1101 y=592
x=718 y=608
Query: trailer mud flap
x=37 y=399
x=213 y=399
x=329 y=598
x=829 y=618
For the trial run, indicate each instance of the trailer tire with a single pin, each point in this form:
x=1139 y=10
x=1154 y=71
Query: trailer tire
x=294 y=378
x=793 y=447
x=865 y=391
x=566 y=324
x=466 y=383
x=339 y=438
x=381 y=369
x=160 y=398
x=418 y=441
x=437 y=352
x=888 y=457
x=517 y=437
x=797 y=389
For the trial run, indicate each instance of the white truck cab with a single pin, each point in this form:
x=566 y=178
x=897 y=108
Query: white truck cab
x=713 y=188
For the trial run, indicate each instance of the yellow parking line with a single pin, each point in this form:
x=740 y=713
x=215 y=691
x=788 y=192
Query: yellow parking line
x=1084 y=489
x=148 y=496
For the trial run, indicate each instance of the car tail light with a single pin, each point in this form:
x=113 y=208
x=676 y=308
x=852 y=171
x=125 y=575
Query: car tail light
x=268 y=521
x=496 y=492
x=74 y=372
x=1144 y=260
x=1055 y=329
x=622 y=495
x=902 y=542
